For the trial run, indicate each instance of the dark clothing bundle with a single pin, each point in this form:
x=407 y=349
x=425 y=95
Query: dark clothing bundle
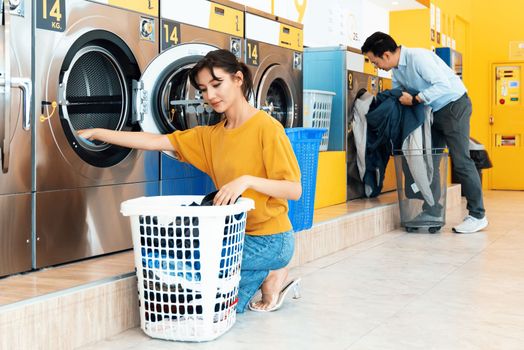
x=389 y=123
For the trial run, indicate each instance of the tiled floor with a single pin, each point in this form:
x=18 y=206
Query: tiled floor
x=397 y=291
x=54 y=280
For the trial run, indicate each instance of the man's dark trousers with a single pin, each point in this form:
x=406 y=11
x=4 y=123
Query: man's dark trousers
x=451 y=127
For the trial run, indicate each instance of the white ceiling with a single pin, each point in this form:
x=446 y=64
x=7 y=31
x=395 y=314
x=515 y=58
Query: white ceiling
x=402 y=4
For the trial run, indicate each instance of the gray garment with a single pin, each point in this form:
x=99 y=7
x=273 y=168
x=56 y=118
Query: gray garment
x=451 y=127
x=420 y=163
x=359 y=125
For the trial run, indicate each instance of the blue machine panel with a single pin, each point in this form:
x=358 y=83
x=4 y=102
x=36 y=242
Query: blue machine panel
x=178 y=178
x=325 y=69
x=452 y=58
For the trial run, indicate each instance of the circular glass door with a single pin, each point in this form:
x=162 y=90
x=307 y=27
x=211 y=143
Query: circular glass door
x=166 y=101
x=180 y=105
x=94 y=92
x=276 y=95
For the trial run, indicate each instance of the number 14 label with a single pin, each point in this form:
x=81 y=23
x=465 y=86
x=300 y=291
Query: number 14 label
x=51 y=15
x=252 y=53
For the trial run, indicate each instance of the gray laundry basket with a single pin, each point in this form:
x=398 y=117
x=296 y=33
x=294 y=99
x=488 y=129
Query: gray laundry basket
x=421 y=187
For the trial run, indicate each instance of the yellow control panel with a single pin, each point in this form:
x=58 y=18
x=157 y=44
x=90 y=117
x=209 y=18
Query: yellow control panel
x=508 y=85
x=369 y=67
x=291 y=37
x=226 y=20
x=148 y=7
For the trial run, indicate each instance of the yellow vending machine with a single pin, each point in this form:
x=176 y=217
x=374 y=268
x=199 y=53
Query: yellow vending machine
x=507 y=127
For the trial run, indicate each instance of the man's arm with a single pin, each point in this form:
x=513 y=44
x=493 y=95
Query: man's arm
x=409 y=100
x=429 y=70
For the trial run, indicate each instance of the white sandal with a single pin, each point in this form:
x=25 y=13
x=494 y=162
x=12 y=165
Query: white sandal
x=294 y=284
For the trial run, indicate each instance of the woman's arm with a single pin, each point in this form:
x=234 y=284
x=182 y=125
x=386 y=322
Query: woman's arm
x=139 y=140
x=274 y=188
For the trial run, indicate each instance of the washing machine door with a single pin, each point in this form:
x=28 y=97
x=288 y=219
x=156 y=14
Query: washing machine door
x=276 y=94
x=165 y=100
x=93 y=93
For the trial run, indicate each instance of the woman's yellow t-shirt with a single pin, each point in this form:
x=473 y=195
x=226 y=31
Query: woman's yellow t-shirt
x=259 y=147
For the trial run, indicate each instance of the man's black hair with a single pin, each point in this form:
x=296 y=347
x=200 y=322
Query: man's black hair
x=378 y=43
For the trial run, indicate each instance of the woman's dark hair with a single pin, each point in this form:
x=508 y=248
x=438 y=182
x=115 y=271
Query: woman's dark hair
x=228 y=62
x=378 y=43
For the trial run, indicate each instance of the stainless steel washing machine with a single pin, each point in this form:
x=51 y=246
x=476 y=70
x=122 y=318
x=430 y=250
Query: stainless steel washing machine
x=15 y=137
x=273 y=51
x=219 y=24
x=88 y=58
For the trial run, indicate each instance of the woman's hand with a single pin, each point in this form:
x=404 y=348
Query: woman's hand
x=284 y=189
x=229 y=193
x=88 y=134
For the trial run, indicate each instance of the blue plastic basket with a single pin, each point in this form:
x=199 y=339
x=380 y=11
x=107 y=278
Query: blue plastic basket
x=306 y=144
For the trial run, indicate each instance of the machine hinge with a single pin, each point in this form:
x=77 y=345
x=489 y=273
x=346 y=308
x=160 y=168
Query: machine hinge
x=140 y=98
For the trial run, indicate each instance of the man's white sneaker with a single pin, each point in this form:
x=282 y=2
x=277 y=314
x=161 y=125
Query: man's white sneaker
x=471 y=224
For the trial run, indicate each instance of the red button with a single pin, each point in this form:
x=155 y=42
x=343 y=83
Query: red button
x=502 y=101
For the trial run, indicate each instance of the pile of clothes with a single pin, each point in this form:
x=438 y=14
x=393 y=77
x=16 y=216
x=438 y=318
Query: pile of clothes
x=381 y=126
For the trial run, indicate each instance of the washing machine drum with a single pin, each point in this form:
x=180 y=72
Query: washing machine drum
x=278 y=103
x=97 y=94
x=277 y=95
x=180 y=105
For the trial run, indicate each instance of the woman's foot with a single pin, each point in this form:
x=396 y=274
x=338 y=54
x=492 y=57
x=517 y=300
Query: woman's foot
x=271 y=288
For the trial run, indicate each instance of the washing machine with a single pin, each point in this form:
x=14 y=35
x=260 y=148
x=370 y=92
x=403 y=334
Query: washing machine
x=88 y=58
x=273 y=52
x=345 y=71
x=15 y=137
x=219 y=24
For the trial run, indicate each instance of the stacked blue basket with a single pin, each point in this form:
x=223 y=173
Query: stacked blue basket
x=306 y=144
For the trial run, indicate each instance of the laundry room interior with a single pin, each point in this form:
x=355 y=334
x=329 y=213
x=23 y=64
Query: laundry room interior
x=399 y=123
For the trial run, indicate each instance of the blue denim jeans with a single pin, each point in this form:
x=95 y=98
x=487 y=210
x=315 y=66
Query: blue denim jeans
x=262 y=254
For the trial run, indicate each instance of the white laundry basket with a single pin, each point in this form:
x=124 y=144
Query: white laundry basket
x=317 y=112
x=187 y=261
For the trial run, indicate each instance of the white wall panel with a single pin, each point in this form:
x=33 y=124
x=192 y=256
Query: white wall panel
x=290 y=9
x=262 y=5
x=376 y=18
x=333 y=22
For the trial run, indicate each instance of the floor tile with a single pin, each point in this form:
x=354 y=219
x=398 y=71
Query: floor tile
x=396 y=291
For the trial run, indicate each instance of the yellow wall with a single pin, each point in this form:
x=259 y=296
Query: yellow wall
x=494 y=25
x=410 y=28
x=482 y=30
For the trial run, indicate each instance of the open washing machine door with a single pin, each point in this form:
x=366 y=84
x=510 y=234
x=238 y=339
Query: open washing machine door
x=165 y=101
